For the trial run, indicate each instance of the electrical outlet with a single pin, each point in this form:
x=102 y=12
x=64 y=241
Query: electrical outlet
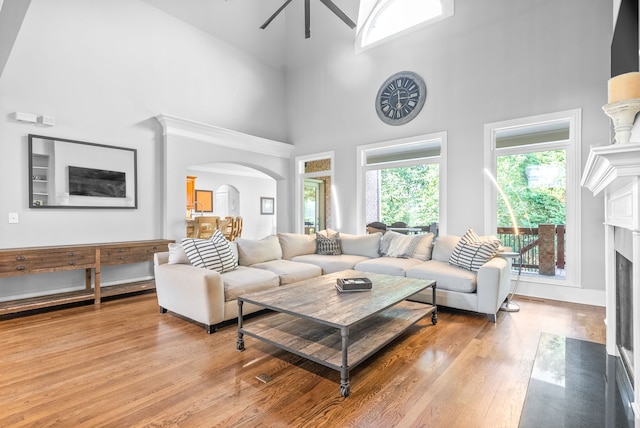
x=13 y=218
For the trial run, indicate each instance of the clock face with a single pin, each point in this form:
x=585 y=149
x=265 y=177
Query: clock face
x=400 y=98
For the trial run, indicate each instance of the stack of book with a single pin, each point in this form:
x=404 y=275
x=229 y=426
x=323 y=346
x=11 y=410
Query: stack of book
x=353 y=284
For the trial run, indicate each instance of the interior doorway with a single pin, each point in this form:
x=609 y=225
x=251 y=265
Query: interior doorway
x=236 y=191
x=227 y=201
x=315 y=210
x=314 y=205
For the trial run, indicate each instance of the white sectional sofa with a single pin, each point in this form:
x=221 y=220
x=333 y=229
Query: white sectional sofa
x=209 y=297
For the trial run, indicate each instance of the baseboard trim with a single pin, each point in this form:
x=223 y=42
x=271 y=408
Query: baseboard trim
x=563 y=294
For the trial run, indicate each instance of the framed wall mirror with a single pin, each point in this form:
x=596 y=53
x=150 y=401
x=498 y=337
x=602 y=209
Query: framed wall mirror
x=76 y=174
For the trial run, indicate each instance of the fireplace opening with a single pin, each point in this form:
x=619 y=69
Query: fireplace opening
x=624 y=312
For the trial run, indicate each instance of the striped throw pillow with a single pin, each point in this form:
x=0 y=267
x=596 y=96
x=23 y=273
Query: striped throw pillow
x=214 y=253
x=471 y=252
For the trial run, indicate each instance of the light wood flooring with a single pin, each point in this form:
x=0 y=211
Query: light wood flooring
x=123 y=364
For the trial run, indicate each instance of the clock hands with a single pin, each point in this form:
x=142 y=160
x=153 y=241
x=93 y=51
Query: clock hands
x=399 y=103
x=403 y=103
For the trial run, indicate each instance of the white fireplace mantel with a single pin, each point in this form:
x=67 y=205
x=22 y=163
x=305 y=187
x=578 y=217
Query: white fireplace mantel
x=611 y=167
x=614 y=170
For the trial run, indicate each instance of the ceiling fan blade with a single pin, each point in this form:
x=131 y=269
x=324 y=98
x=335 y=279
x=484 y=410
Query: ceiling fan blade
x=340 y=14
x=272 y=17
x=307 y=19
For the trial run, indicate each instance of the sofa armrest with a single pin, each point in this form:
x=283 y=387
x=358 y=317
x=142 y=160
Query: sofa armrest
x=160 y=258
x=190 y=291
x=494 y=278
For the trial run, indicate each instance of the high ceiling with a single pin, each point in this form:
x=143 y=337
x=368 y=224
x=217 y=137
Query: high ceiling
x=237 y=22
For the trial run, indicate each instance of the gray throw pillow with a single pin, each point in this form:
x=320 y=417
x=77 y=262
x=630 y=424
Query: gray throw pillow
x=328 y=246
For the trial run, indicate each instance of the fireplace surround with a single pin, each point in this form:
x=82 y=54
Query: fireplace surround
x=614 y=172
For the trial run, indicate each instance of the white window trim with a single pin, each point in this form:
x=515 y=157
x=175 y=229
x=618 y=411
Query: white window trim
x=441 y=160
x=300 y=175
x=573 y=207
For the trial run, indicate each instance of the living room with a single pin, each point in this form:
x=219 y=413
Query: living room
x=129 y=74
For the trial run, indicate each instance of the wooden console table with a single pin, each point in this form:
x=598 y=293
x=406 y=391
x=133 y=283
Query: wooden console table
x=33 y=260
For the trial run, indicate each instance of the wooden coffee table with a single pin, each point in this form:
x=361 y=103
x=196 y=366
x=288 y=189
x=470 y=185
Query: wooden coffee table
x=337 y=330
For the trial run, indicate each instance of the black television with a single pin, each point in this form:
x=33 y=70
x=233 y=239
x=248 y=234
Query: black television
x=97 y=182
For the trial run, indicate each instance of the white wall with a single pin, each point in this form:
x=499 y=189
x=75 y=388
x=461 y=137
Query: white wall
x=492 y=61
x=104 y=70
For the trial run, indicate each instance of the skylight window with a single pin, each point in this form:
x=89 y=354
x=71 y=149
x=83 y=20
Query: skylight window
x=387 y=19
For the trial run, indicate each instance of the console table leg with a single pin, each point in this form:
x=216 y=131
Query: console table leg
x=345 y=388
x=240 y=343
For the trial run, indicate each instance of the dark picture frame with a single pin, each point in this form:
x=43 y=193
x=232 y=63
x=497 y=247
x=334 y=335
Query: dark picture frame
x=267 y=206
x=65 y=173
x=204 y=197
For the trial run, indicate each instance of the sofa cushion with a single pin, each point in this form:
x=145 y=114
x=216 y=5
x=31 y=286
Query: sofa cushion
x=330 y=264
x=290 y=271
x=234 y=249
x=360 y=245
x=327 y=232
x=296 y=244
x=246 y=280
x=214 y=253
x=447 y=277
x=251 y=251
x=177 y=256
x=471 y=252
x=387 y=265
x=394 y=244
x=424 y=248
x=328 y=246
x=443 y=247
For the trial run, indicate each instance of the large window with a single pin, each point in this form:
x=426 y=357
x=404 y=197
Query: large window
x=401 y=182
x=403 y=194
x=532 y=193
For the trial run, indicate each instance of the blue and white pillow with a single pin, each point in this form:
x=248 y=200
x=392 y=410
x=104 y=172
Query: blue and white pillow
x=214 y=253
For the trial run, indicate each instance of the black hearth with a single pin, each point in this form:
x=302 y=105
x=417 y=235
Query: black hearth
x=624 y=312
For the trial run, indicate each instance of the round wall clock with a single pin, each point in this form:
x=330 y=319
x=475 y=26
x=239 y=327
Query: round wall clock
x=400 y=98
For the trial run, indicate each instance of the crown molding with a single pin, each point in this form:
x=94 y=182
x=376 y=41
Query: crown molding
x=177 y=126
x=611 y=166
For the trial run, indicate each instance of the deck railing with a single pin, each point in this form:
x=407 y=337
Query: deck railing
x=543 y=247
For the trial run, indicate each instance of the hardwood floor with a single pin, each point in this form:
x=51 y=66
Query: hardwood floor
x=125 y=364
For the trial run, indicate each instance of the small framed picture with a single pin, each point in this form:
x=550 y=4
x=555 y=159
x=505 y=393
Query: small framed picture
x=266 y=206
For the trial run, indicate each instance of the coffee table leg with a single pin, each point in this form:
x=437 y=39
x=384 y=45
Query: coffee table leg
x=240 y=344
x=345 y=389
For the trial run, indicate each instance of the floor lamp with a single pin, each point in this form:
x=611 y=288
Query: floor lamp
x=509 y=305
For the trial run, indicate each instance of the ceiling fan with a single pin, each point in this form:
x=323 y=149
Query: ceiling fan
x=307 y=15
